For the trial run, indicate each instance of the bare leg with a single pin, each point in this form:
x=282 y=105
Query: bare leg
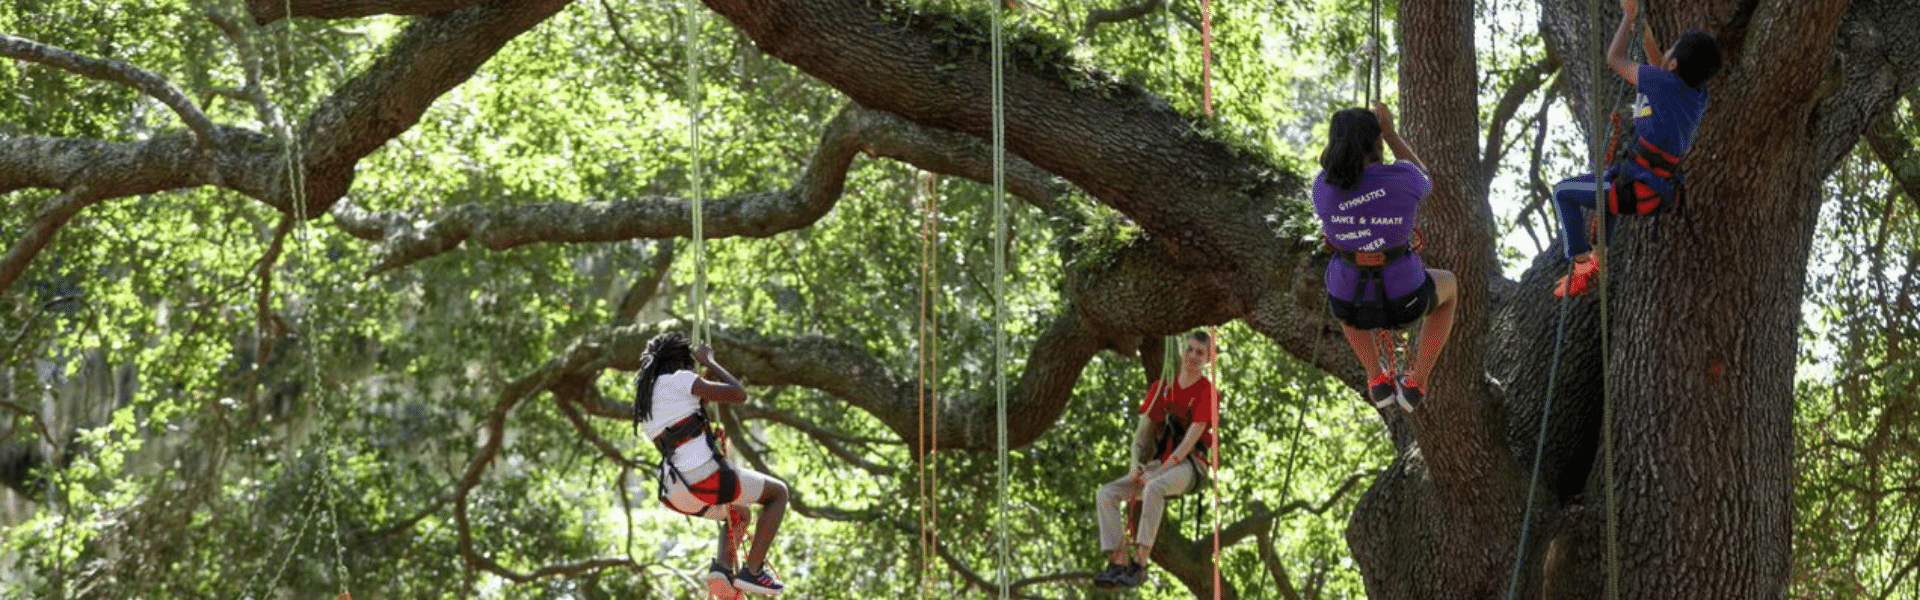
x=1433 y=334
x=773 y=506
x=1363 y=346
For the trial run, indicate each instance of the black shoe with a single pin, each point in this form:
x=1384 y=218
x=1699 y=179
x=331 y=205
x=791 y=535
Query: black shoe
x=1383 y=391
x=761 y=583
x=1411 y=394
x=1132 y=576
x=1109 y=579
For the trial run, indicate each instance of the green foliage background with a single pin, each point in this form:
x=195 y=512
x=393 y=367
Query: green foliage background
x=194 y=475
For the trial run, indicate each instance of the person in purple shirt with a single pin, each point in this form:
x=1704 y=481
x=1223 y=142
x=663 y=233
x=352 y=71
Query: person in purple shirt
x=1377 y=279
x=1672 y=99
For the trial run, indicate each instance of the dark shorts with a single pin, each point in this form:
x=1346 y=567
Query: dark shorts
x=1395 y=314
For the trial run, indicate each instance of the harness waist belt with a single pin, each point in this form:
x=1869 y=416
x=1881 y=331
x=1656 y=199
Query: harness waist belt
x=1374 y=260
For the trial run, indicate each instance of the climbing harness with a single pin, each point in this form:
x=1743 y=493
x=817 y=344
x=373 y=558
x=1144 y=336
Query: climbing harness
x=695 y=498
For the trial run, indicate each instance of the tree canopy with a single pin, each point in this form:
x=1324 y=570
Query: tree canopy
x=312 y=296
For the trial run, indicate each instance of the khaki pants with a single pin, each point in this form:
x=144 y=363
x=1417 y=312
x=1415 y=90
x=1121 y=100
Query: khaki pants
x=1153 y=495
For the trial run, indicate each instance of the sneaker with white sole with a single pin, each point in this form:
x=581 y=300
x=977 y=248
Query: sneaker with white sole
x=719 y=580
x=760 y=582
x=1383 y=391
x=1411 y=394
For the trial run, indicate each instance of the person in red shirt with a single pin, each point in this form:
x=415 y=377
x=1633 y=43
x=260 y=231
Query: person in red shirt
x=1170 y=450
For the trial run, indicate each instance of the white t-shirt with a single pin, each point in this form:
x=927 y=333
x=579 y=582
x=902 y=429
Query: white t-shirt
x=673 y=400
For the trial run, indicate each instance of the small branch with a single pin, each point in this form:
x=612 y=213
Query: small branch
x=251 y=91
x=665 y=71
x=1535 y=182
x=1893 y=149
x=55 y=214
x=1271 y=559
x=1526 y=81
x=547 y=376
x=1106 y=16
x=827 y=439
x=571 y=409
x=116 y=72
x=646 y=283
x=1262 y=519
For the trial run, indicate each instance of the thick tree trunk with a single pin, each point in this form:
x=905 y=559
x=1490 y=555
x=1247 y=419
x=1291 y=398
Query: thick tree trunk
x=1703 y=310
x=1446 y=514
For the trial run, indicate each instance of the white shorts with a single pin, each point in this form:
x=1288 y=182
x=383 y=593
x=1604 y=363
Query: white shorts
x=700 y=498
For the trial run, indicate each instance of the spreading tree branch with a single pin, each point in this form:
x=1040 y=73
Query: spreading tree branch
x=116 y=72
x=1104 y=16
x=430 y=57
x=761 y=214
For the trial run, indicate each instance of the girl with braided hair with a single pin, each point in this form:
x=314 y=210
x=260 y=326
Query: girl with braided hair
x=694 y=475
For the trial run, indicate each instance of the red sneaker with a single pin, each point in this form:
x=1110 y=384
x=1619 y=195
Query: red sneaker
x=1581 y=281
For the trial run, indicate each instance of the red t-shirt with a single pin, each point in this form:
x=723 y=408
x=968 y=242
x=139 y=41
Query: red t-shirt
x=1191 y=404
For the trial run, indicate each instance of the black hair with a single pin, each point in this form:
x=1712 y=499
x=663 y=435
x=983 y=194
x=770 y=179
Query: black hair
x=666 y=353
x=1200 y=335
x=1353 y=142
x=1698 y=56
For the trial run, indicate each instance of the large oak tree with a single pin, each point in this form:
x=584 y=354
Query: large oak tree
x=1702 y=316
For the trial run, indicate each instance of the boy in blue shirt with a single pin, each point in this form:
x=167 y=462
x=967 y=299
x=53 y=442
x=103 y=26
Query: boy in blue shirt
x=1672 y=98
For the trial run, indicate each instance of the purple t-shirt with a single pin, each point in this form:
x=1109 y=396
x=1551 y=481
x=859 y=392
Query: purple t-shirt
x=1371 y=217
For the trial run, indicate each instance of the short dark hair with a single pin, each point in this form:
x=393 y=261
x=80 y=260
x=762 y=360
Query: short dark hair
x=1200 y=335
x=1698 y=56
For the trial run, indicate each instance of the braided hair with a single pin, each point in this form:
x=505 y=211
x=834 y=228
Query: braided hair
x=666 y=353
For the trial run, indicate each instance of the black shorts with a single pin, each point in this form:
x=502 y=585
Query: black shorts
x=1395 y=314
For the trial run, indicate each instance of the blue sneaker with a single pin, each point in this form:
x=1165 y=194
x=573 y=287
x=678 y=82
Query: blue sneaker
x=761 y=582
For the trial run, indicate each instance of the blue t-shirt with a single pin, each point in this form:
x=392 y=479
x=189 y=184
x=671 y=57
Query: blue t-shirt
x=1372 y=217
x=1667 y=114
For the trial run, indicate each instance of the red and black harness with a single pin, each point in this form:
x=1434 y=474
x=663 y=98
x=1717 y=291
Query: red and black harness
x=1644 y=200
x=726 y=487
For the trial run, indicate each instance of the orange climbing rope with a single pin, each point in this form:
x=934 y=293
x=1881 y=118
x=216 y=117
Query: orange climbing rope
x=1213 y=339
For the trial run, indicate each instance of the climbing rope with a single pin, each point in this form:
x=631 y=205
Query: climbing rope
x=696 y=180
x=1213 y=378
x=1600 y=162
x=929 y=386
x=1373 y=69
x=327 y=496
x=1606 y=355
x=696 y=175
x=1000 y=294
